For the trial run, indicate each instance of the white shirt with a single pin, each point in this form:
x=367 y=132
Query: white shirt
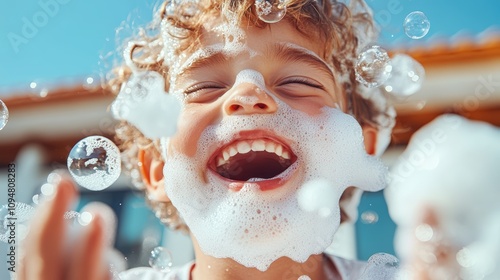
x=347 y=269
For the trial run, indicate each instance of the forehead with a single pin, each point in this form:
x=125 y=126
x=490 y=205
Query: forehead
x=226 y=40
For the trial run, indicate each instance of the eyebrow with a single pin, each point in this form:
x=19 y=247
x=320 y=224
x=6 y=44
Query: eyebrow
x=289 y=52
x=286 y=52
x=217 y=57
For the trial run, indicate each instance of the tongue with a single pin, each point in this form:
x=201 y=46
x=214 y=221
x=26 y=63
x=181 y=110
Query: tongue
x=243 y=167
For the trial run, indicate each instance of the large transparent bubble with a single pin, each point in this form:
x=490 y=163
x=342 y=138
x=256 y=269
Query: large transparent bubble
x=380 y=266
x=407 y=76
x=160 y=259
x=14 y=218
x=373 y=66
x=416 y=25
x=94 y=163
x=4 y=115
x=270 y=11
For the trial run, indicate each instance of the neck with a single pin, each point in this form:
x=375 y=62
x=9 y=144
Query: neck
x=209 y=268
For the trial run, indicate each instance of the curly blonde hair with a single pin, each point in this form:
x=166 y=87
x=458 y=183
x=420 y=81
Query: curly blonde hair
x=328 y=21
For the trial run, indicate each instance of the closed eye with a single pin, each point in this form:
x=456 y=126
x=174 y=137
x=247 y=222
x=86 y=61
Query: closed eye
x=301 y=80
x=202 y=86
x=204 y=92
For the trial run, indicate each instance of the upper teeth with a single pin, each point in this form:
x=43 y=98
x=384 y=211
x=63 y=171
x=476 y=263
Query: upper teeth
x=245 y=146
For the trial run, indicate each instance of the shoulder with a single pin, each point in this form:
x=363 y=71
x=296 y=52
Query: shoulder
x=148 y=273
x=347 y=269
x=383 y=266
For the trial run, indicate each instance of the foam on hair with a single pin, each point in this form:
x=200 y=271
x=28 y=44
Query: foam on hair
x=143 y=102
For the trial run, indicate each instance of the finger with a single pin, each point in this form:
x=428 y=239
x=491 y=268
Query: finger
x=87 y=260
x=43 y=255
x=105 y=274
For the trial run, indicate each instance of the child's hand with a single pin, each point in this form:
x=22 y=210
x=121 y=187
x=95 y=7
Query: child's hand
x=45 y=255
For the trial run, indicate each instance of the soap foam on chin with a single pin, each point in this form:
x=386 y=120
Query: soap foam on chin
x=451 y=166
x=253 y=227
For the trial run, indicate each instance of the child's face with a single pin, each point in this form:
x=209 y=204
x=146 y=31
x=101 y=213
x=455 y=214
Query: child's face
x=259 y=121
x=285 y=66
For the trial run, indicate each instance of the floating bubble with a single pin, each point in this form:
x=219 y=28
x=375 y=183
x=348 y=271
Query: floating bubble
x=270 y=11
x=373 y=66
x=17 y=212
x=424 y=232
x=304 y=277
x=43 y=92
x=72 y=216
x=160 y=259
x=317 y=196
x=466 y=257
x=4 y=115
x=93 y=81
x=4 y=213
x=36 y=199
x=369 y=217
x=381 y=266
x=407 y=76
x=94 y=163
x=48 y=189
x=85 y=218
x=416 y=25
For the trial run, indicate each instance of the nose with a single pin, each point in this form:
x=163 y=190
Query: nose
x=248 y=98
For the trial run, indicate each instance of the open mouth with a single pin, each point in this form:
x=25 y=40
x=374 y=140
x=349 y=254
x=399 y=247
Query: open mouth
x=256 y=159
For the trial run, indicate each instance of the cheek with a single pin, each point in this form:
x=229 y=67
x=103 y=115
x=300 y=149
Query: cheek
x=311 y=107
x=192 y=122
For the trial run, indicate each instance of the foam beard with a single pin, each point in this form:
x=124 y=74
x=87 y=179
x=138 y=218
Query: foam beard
x=254 y=227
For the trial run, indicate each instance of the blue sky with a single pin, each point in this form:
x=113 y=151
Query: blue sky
x=68 y=37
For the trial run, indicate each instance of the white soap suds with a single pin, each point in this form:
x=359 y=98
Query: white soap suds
x=250 y=76
x=318 y=196
x=451 y=167
x=254 y=227
x=143 y=102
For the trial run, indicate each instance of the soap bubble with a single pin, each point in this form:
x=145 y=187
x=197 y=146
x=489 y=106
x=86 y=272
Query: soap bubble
x=270 y=11
x=160 y=259
x=381 y=266
x=4 y=115
x=36 y=199
x=416 y=25
x=94 y=163
x=317 y=196
x=407 y=76
x=72 y=217
x=369 y=217
x=424 y=232
x=373 y=66
x=4 y=214
x=17 y=212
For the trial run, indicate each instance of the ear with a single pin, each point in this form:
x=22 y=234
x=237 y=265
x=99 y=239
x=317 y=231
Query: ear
x=370 y=136
x=151 y=167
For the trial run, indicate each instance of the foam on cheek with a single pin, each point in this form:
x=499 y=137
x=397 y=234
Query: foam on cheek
x=450 y=165
x=255 y=228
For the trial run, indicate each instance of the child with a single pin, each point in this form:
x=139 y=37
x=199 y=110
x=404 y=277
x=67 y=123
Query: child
x=265 y=144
